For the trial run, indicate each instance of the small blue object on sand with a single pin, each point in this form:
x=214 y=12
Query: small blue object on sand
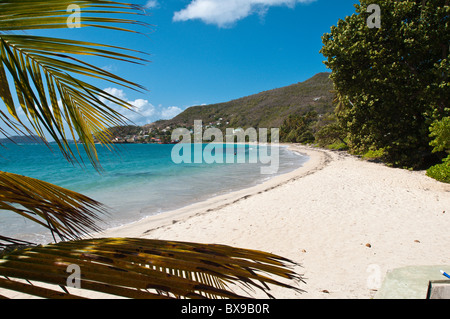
x=445 y=274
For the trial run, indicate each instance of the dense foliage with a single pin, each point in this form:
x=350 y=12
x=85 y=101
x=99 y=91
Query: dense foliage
x=392 y=82
x=298 y=128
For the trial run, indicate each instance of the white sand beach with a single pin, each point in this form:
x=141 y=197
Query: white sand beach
x=345 y=220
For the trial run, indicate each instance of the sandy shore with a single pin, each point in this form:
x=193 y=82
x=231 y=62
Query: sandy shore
x=345 y=220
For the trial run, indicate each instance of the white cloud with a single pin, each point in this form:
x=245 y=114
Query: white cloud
x=226 y=12
x=143 y=112
x=116 y=92
x=170 y=112
x=109 y=68
x=151 y=4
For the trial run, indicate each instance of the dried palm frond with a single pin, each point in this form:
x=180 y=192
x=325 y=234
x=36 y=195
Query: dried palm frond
x=144 y=268
x=65 y=213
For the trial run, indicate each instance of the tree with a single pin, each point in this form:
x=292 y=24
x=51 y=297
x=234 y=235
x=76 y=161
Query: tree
x=298 y=128
x=392 y=82
x=331 y=133
x=44 y=77
x=440 y=132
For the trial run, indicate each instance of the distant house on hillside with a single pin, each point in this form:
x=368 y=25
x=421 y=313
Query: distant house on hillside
x=118 y=139
x=156 y=140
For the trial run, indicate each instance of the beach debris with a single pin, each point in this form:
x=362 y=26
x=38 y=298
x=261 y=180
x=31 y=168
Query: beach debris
x=417 y=241
x=325 y=291
x=303 y=250
x=368 y=245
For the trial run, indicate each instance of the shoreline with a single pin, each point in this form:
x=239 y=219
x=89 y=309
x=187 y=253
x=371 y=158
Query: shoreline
x=227 y=197
x=347 y=221
x=317 y=161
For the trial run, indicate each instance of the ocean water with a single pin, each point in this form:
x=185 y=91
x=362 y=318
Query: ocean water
x=139 y=180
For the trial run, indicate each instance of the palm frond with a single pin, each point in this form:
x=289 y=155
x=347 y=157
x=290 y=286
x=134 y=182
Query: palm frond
x=54 y=14
x=46 y=75
x=65 y=213
x=144 y=268
x=8 y=243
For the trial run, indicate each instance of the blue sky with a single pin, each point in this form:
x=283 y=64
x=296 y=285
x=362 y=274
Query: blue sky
x=210 y=51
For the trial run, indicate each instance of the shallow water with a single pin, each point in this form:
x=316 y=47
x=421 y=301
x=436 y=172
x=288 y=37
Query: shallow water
x=142 y=180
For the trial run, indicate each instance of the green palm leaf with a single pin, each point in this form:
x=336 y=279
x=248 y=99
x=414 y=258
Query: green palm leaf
x=143 y=268
x=47 y=76
x=52 y=14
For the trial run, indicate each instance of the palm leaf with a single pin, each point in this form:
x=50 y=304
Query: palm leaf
x=65 y=213
x=8 y=243
x=47 y=76
x=52 y=14
x=143 y=268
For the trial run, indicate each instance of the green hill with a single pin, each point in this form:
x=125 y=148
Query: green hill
x=18 y=139
x=267 y=109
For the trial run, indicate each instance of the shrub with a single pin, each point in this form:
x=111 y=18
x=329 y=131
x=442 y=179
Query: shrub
x=338 y=146
x=440 y=172
x=374 y=154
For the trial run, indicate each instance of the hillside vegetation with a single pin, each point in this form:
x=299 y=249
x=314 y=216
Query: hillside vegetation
x=268 y=109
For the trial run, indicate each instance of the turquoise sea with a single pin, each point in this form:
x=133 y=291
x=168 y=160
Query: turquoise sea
x=139 y=180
